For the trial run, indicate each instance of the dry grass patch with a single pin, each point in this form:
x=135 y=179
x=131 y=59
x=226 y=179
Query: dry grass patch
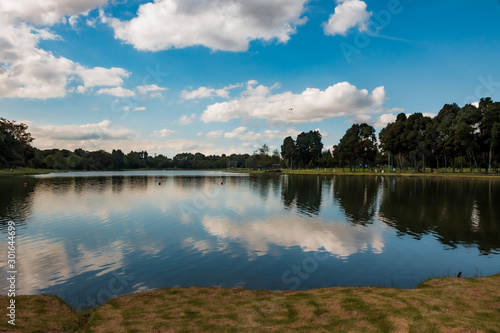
x=40 y=314
x=438 y=305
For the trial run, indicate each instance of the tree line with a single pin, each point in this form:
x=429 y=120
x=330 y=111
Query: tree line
x=16 y=151
x=458 y=138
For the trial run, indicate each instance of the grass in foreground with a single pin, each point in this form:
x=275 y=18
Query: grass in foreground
x=438 y=305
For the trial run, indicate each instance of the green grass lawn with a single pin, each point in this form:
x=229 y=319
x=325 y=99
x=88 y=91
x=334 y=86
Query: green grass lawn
x=437 y=305
x=369 y=172
x=26 y=171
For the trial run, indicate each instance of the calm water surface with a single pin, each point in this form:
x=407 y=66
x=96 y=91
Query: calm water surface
x=103 y=234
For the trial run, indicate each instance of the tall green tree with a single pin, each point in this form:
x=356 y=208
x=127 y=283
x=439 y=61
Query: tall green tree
x=289 y=151
x=309 y=147
x=488 y=129
x=358 y=145
x=392 y=139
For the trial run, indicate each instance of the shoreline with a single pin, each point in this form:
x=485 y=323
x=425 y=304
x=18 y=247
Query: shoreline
x=440 y=304
x=339 y=172
x=321 y=172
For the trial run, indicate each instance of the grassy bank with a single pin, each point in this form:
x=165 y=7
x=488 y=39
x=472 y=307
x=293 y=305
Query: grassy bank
x=437 y=305
x=25 y=171
x=368 y=172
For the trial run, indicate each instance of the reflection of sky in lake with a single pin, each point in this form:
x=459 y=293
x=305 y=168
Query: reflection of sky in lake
x=192 y=230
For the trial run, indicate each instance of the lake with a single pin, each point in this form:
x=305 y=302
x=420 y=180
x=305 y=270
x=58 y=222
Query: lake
x=90 y=236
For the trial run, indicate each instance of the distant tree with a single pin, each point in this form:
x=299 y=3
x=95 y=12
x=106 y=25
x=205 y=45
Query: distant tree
x=264 y=150
x=309 y=147
x=358 y=143
x=346 y=147
x=132 y=161
x=366 y=147
x=289 y=151
x=392 y=139
x=489 y=128
x=118 y=158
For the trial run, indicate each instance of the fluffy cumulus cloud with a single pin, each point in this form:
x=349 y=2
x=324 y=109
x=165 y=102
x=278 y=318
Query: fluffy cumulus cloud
x=312 y=105
x=241 y=133
x=47 y=12
x=28 y=71
x=217 y=24
x=87 y=136
x=348 y=14
x=99 y=76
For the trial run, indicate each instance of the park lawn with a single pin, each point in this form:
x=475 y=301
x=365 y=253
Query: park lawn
x=437 y=305
x=26 y=171
x=367 y=172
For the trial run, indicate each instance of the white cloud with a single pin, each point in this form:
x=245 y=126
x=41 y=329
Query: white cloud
x=140 y=108
x=204 y=92
x=106 y=136
x=77 y=136
x=90 y=23
x=145 y=90
x=99 y=76
x=348 y=14
x=235 y=133
x=163 y=133
x=186 y=120
x=117 y=91
x=47 y=12
x=201 y=92
x=217 y=24
x=26 y=70
x=73 y=20
x=384 y=119
x=362 y=118
x=215 y=134
x=81 y=90
x=311 y=105
x=267 y=135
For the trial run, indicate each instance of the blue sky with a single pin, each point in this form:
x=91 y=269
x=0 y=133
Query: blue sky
x=171 y=76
